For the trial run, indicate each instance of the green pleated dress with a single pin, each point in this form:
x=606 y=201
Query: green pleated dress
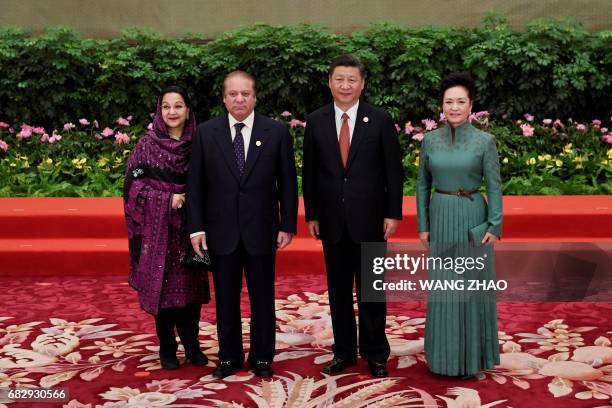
x=461 y=329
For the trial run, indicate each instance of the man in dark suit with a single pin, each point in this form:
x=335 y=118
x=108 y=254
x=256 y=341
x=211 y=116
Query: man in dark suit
x=242 y=205
x=353 y=188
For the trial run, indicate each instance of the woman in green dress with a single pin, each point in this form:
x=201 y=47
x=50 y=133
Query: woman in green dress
x=461 y=330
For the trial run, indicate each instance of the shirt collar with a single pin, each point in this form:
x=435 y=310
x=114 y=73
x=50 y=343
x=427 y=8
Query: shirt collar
x=352 y=112
x=248 y=122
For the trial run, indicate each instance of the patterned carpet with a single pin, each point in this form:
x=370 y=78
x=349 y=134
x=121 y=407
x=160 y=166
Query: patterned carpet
x=87 y=334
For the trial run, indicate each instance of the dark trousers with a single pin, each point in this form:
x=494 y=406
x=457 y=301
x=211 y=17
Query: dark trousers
x=343 y=264
x=186 y=320
x=227 y=278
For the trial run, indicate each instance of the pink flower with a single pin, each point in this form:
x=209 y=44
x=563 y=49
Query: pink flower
x=123 y=122
x=408 y=128
x=4 y=125
x=122 y=138
x=68 y=127
x=418 y=136
x=44 y=138
x=397 y=128
x=55 y=137
x=481 y=117
x=607 y=138
x=129 y=118
x=527 y=130
x=4 y=146
x=295 y=123
x=25 y=133
x=596 y=123
x=580 y=127
x=429 y=124
x=150 y=127
x=528 y=117
x=38 y=130
x=108 y=132
x=442 y=118
x=604 y=130
x=559 y=124
x=547 y=122
x=84 y=122
x=286 y=114
x=96 y=124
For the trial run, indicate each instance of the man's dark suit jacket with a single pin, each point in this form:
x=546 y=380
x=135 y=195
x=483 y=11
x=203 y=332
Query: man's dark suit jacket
x=368 y=190
x=253 y=207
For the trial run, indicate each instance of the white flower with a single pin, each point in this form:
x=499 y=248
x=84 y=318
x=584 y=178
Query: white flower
x=152 y=399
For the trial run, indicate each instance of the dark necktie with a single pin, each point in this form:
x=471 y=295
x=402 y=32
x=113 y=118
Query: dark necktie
x=239 y=147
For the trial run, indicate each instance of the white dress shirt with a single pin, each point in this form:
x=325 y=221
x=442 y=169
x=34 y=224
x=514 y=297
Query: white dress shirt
x=246 y=130
x=352 y=117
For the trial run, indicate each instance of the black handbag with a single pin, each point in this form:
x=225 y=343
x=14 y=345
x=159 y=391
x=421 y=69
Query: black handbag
x=195 y=261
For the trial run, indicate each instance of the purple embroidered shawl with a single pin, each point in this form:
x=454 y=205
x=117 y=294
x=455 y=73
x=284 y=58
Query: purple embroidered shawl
x=156 y=170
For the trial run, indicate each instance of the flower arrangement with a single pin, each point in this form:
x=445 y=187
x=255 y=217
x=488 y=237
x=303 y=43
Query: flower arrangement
x=83 y=158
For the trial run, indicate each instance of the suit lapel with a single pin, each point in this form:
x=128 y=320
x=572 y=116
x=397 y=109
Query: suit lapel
x=331 y=135
x=257 y=143
x=223 y=138
x=361 y=125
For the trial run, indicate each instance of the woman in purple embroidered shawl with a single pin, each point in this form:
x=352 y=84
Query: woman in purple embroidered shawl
x=153 y=201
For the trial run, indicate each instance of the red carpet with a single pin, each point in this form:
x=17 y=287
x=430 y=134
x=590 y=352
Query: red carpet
x=41 y=236
x=89 y=335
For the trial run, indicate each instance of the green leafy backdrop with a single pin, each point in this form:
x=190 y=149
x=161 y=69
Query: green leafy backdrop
x=553 y=69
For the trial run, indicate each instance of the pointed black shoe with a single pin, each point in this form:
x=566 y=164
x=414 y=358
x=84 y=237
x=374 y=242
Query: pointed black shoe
x=226 y=368
x=338 y=364
x=378 y=370
x=262 y=369
x=197 y=358
x=169 y=361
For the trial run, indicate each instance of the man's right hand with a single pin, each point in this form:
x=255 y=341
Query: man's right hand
x=313 y=229
x=198 y=243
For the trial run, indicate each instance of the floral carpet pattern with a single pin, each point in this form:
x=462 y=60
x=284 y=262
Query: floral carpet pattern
x=89 y=336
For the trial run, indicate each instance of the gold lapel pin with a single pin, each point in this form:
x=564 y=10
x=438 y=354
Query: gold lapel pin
x=258 y=143
x=366 y=119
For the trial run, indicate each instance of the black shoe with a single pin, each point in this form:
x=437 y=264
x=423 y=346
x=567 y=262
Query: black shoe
x=262 y=369
x=338 y=364
x=226 y=368
x=378 y=370
x=169 y=362
x=198 y=358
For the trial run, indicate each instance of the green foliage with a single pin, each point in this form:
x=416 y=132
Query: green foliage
x=553 y=69
x=289 y=63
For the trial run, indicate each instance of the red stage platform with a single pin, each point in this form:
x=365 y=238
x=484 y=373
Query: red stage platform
x=84 y=236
